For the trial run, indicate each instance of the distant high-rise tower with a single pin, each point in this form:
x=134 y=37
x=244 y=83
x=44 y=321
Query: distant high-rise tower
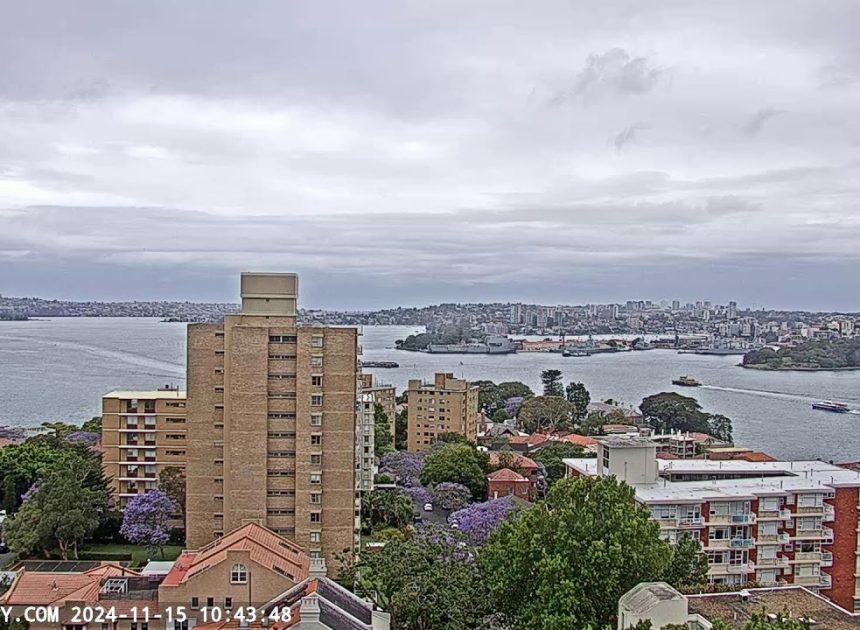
x=271 y=417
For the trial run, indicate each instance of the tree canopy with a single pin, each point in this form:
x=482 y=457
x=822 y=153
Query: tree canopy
x=492 y=396
x=545 y=413
x=425 y=583
x=146 y=520
x=818 y=354
x=389 y=508
x=551 y=455
x=552 y=384
x=578 y=395
x=669 y=411
x=564 y=563
x=382 y=439
x=171 y=481
x=456 y=463
x=688 y=569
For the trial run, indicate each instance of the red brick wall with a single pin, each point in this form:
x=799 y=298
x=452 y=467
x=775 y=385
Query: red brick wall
x=844 y=547
x=504 y=488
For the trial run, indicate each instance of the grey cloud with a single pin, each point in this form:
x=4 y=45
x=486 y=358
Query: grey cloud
x=613 y=72
x=757 y=121
x=628 y=135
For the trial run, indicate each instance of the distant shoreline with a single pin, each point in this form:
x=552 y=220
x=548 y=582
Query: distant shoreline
x=765 y=368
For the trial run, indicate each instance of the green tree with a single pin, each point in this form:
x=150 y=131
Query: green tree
x=390 y=508
x=720 y=427
x=59 y=429
x=552 y=385
x=457 y=463
x=565 y=562
x=492 y=397
x=578 y=395
x=689 y=566
x=425 y=584
x=551 y=456
x=401 y=430
x=66 y=507
x=382 y=438
x=93 y=425
x=544 y=413
x=593 y=423
x=500 y=416
x=171 y=481
x=668 y=411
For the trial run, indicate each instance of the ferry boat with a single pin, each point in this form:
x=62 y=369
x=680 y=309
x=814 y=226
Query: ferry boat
x=829 y=405
x=686 y=381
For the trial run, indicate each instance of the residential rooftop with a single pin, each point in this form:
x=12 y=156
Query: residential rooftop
x=795 y=601
x=145 y=394
x=778 y=478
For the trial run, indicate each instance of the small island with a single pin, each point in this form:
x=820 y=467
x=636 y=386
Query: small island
x=810 y=356
x=13 y=317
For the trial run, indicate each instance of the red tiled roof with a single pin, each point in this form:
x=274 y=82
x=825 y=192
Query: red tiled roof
x=667 y=456
x=41 y=588
x=506 y=474
x=519 y=461
x=263 y=545
x=579 y=440
x=755 y=456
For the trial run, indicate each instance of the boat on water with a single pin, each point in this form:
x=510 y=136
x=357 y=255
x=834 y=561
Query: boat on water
x=829 y=405
x=380 y=364
x=493 y=345
x=686 y=381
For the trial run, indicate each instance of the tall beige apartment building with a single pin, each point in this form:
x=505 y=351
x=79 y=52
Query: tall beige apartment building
x=447 y=405
x=381 y=394
x=272 y=423
x=143 y=432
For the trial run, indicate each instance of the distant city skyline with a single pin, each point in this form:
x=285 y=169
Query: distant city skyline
x=414 y=153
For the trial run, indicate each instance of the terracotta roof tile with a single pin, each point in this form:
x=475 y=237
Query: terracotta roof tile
x=506 y=474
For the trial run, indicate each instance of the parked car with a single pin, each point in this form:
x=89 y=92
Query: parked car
x=428 y=507
x=3 y=548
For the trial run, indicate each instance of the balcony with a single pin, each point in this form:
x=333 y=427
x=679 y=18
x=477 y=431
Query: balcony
x=809 y=534
x=691 y=523
x=811 y=510
x=825 y=581
x=807 y=556
x=783 y=538
x=826 y=559
x=808 y=580
x=829 y=513
x=732 y=519
x=780 y=561
x=749 y=567
x=741 y=543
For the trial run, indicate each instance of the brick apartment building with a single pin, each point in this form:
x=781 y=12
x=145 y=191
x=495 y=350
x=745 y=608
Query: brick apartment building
x=143 y=432
x=271 y=423
x=771 y=522
x=381 y=394
x=447 y=405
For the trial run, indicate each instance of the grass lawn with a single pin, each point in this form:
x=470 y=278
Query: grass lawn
x=139 y=554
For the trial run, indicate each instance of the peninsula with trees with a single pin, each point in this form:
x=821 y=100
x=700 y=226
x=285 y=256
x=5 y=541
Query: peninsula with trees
x=811 y=356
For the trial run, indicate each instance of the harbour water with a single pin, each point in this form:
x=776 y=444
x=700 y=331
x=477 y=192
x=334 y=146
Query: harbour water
x=57 y=369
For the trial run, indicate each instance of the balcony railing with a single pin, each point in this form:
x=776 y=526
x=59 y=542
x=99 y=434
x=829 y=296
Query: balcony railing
x=807 y=556
x=749 y=567
x=741 y=543
x=825 y=581
x=780 y=561
x=808 y=580
x=829 y=513
x=691 y=522
x=826 y=559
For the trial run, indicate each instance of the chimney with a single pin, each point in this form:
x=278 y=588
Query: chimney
x=310 y=610
x=317 y=568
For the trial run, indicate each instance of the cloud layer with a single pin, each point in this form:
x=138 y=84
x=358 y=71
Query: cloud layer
x=406 y=152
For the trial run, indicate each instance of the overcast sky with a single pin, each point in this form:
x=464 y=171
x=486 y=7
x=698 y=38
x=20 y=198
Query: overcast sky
x=416 y=152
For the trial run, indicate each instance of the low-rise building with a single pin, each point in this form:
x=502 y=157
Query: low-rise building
x=506 y=482
x=769 y=522
x=662 y=605
x=447 y=405
x=143 y=432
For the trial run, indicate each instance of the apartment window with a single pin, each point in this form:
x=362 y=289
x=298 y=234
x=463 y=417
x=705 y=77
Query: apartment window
x=316 y=459
x=282 y=434
x=316 y=497
x=316 y=440
x=316 y=341
x=219 y=334
x=281 y=415
x=219 y=389
x=316 y=478
x=316 y=537
x=228 y=602
x=195 y=603
x=238 y=574
x=316 y=517
x=282 y=339
x=210 y=602
x=316 y=400
x=316 y=360
x=316 y=419
x=316 y=380
x=282 y=453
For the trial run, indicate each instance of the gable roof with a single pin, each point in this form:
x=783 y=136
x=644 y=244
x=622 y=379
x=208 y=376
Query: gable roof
x=519 y=461
x=506 y=474
x=579 y=440
x=339 y=608
x=264 y=546
x=645 y=596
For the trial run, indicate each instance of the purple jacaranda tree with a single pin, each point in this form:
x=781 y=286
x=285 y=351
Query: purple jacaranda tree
x=479 y=520
x=512 y=406
x=146 y=520
x=404 y=466
x=419 y=494
x=451 y=496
